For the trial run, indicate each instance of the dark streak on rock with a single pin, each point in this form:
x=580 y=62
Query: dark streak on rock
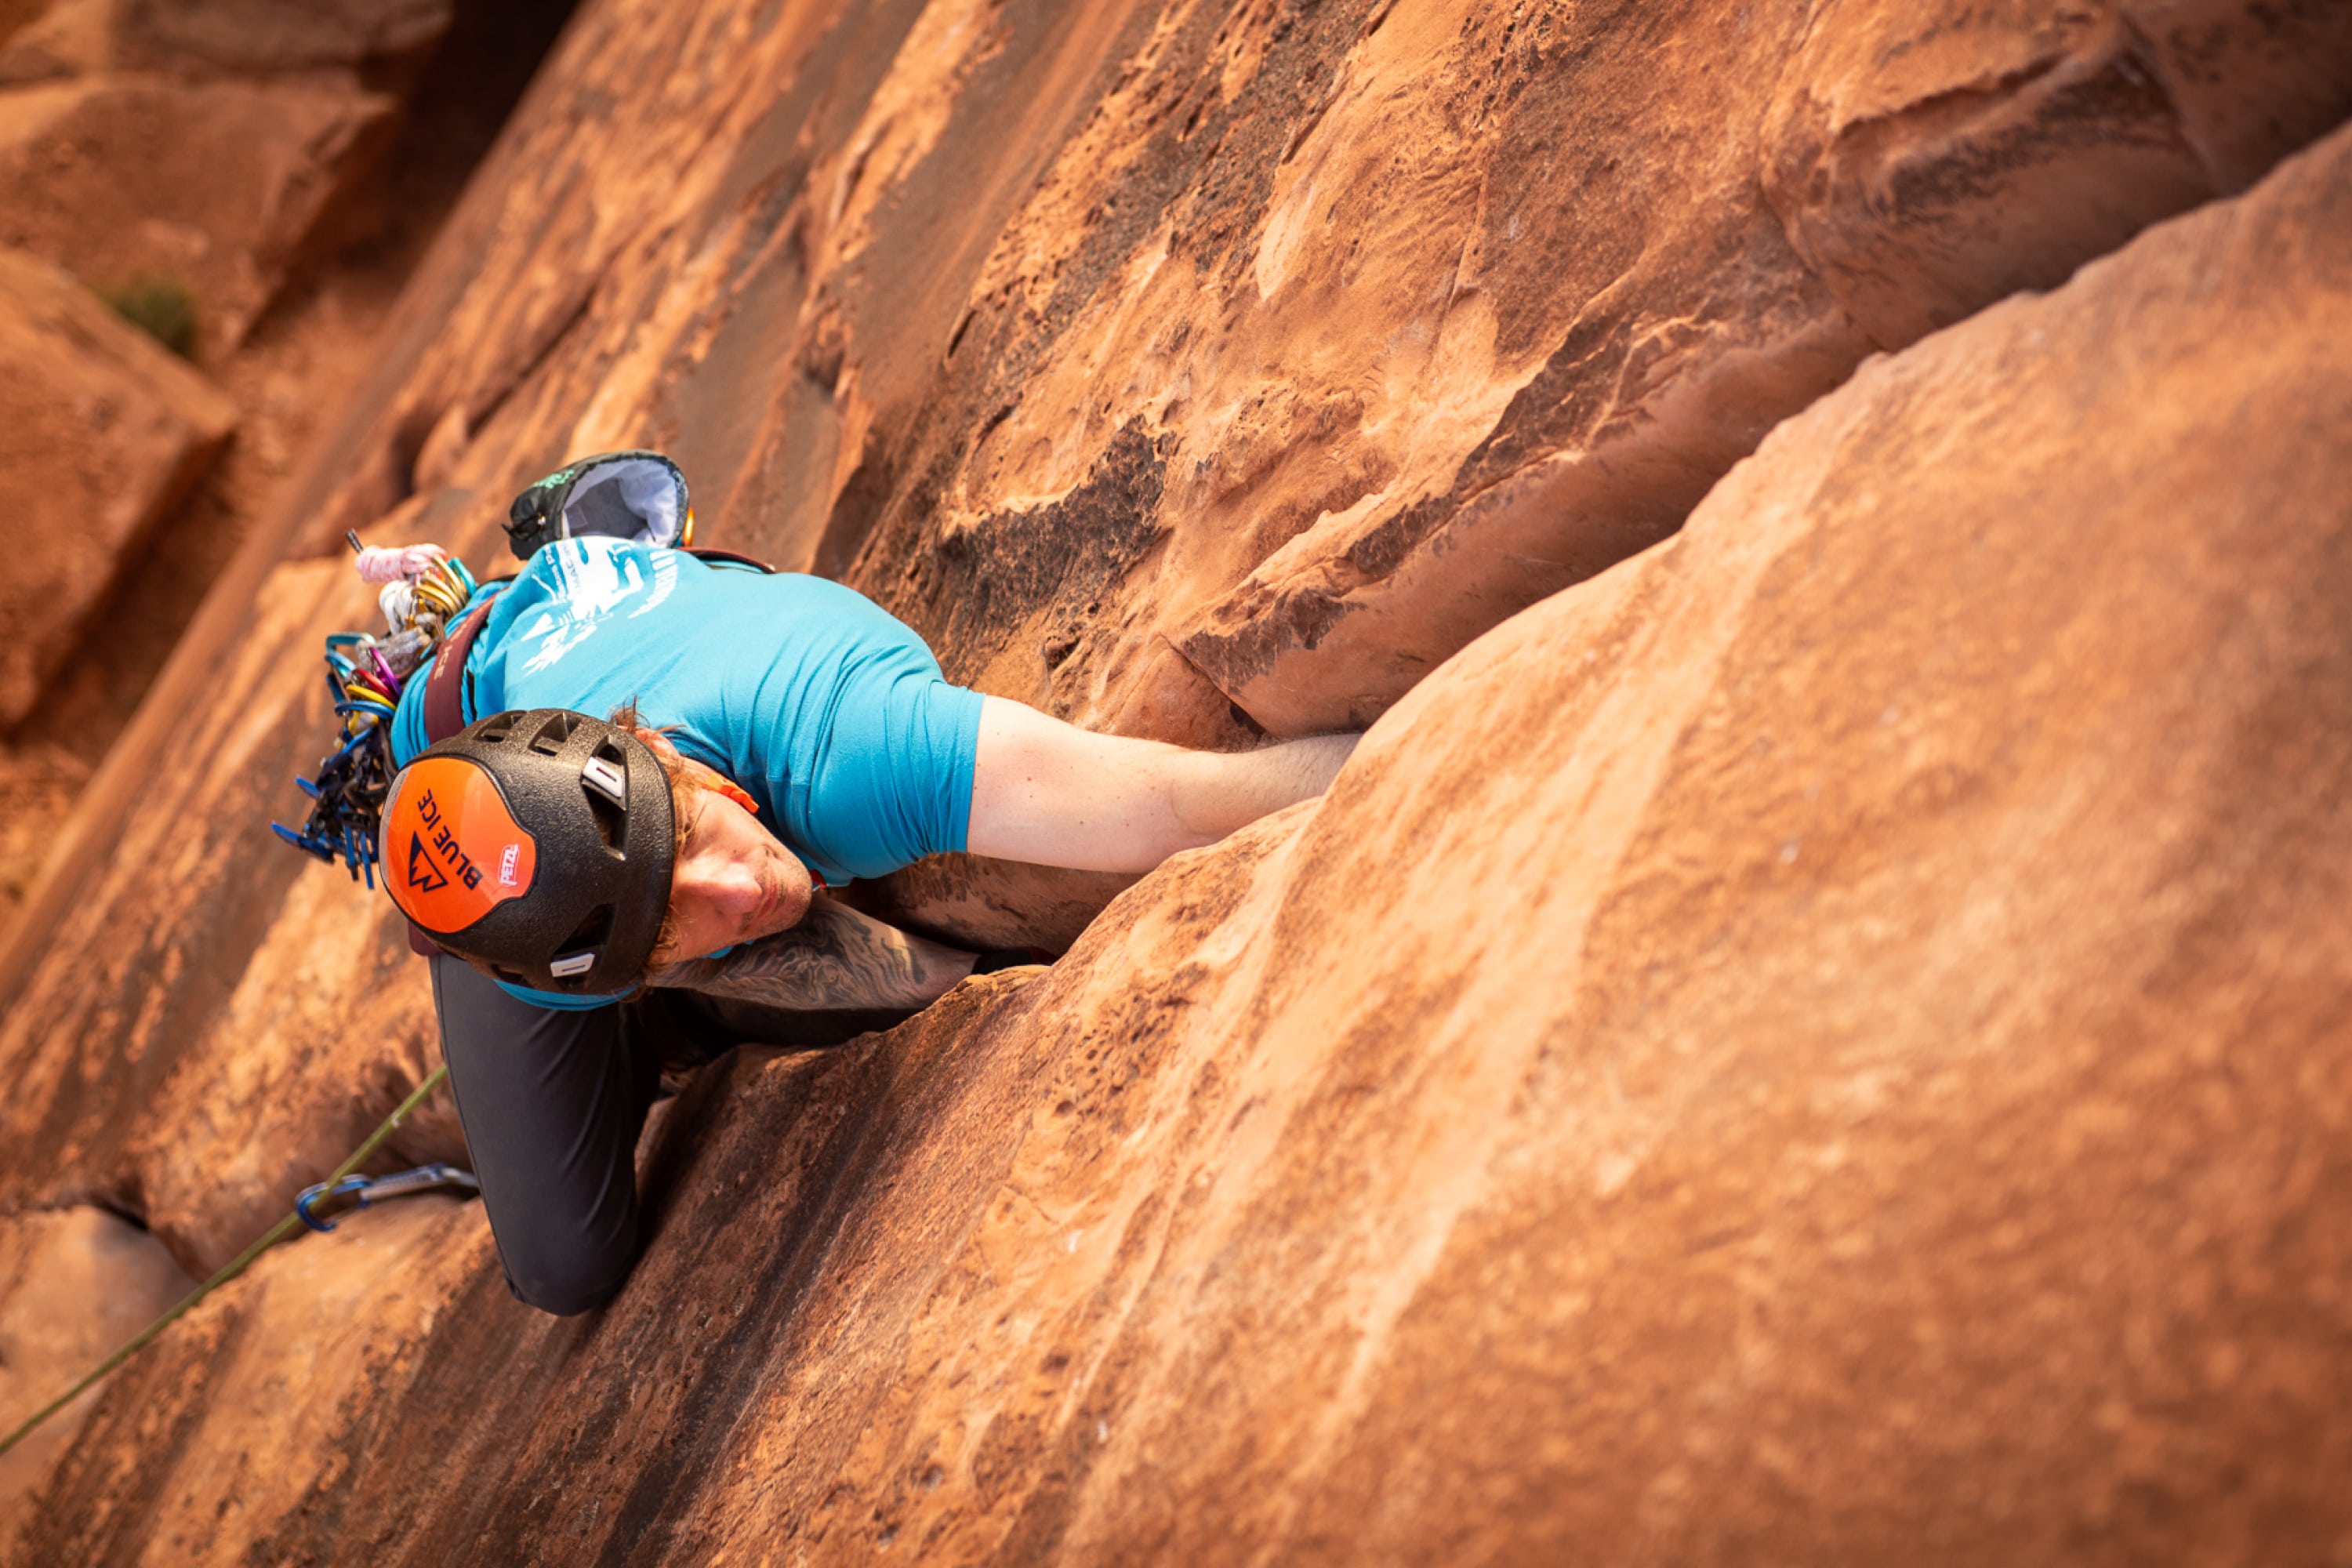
x=974 y=589
x=1213 y=185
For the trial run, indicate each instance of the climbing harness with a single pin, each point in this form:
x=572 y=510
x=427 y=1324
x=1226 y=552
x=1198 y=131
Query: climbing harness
x=369 y=1190
x=269 y=1239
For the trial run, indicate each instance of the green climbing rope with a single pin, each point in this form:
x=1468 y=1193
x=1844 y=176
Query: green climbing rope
x=230 y=1270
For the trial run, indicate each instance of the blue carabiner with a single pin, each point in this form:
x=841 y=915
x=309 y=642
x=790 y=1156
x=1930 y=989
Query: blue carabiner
x=311 y=1195
x=367 y=1189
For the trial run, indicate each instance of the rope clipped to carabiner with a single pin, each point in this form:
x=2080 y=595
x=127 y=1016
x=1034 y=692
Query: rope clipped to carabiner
x=369 y=1190
x=242 y=1261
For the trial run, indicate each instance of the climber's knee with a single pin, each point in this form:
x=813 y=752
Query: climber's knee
x=565 y=1283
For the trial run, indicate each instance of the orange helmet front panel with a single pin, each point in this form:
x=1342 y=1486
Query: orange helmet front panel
x=452 y=850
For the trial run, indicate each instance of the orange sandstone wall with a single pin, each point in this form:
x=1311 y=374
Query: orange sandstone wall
x=252 y=181
x=1821 y=1037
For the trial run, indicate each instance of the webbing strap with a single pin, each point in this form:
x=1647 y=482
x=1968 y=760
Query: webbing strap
x=235 y=1267
x=445 y=689
x=444 y=714
x=730 y=558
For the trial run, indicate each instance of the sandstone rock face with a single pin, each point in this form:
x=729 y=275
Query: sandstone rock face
x=1930 y=160
x=330 y=271
x=362 y=1300
x=241 y=37
x=210 y=185
x=325 y=1033
x=1203 y=372
x=74 y=1285
x=277 y=1031
x=1199 y=371
x=1923 y=160
x=1824 y=1042
x=101 y=433
x=979 y=903
x=38 y=782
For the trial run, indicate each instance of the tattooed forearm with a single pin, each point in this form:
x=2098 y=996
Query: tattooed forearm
x=833 y=959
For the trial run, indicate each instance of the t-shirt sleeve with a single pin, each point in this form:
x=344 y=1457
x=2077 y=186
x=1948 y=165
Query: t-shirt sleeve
x=896 y=782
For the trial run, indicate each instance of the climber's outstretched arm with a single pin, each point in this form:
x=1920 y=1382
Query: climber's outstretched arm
x=1053 y=794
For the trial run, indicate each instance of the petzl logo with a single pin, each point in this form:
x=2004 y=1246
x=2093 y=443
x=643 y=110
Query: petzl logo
x=507 y=865
x=421 y=877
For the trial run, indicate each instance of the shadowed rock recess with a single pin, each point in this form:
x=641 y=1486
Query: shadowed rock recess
x=1814 y=1028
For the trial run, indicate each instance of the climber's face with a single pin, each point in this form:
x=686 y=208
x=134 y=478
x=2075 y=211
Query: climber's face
x=732 y=881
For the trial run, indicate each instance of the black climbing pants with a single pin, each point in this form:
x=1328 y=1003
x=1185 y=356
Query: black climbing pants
x=552 y=1104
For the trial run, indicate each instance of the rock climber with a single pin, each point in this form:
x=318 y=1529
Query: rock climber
x=608 y=895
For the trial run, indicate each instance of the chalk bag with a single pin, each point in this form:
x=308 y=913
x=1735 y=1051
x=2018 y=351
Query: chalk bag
x=635 y=495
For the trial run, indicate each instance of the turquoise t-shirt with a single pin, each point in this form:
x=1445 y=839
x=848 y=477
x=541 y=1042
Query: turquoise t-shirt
x=827 y=709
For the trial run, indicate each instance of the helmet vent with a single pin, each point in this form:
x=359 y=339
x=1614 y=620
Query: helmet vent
x=495 y=731
x=579 y=950
x=606 y=799
x=603 y=778
x=552 y=733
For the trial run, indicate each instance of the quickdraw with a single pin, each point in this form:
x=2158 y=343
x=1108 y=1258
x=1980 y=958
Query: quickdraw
x=234 y=1266
x=367 y=1190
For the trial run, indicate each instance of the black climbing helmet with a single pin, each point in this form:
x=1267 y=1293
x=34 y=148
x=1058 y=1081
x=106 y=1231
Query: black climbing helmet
x=537 y=846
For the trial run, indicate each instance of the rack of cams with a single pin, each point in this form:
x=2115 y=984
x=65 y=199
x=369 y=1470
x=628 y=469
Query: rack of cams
x=365 y=677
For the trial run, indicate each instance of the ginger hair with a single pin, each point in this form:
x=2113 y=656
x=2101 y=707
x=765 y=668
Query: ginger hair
x=685 y=787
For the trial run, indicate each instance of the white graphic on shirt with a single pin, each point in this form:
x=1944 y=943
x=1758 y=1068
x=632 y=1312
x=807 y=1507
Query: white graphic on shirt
x=664 y=583
x=590 y=585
